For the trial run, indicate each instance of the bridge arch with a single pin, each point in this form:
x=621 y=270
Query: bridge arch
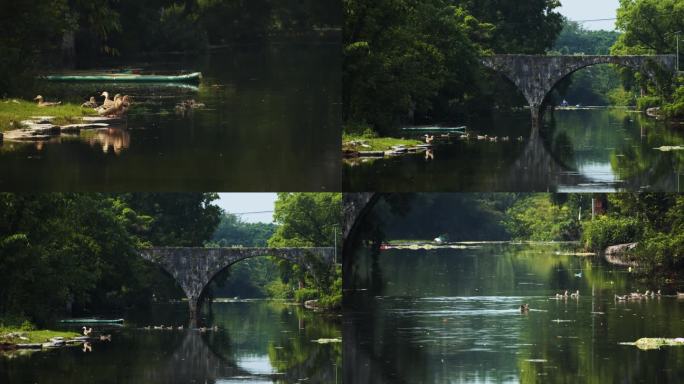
x=537 y=75
x=194 y=268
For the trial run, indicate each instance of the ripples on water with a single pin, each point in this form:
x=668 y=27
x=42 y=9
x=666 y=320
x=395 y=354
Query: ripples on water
x=480 y=335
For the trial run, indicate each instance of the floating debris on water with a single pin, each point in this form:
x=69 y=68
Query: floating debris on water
x=648 y=343
x=328 y=341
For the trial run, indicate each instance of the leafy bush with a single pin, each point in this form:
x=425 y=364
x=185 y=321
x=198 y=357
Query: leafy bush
x=605 y=230
x=646 y=102
x=303 y=294
x=621 y=97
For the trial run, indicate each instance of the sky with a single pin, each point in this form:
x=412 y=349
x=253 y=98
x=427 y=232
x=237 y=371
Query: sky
x=590 y=10
x=249 y=202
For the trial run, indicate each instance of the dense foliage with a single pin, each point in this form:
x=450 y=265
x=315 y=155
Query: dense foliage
x=50 y=33
x=308 y=220
x=62 y=251
x=417 y=60
x=655 y=220
x=649 y=27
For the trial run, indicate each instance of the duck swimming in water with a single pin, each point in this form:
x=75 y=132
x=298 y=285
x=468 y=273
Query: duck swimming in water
x=524 y=308
x=42 y=103
x=429 y=139
x=575 y=295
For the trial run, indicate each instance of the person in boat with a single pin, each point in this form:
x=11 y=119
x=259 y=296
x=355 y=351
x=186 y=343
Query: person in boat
x=43 y=103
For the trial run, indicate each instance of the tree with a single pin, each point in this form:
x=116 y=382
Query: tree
x=179 y=219
x=309 y=220
x=67 y=250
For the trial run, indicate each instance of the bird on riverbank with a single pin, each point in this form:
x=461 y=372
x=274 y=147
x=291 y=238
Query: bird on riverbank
x=43 y=103
x=575 y=295
x=429 y=139
x=578 y=274
x=621 y=298
x=180 y=327
x=92 y=103
x=105 y=337
x=87 y=331
x=107 y=103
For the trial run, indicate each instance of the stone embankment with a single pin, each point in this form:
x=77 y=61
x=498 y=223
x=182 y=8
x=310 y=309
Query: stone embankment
x=621 y=254
x=43 y=128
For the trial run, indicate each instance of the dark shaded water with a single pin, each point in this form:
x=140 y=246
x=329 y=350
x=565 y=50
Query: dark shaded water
x=271 y=123
x=257 y=342
x=577 y=151
x=452 y=316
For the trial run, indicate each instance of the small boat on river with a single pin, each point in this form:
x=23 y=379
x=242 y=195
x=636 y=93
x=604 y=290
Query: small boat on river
x=92 y=321
x=126 y=77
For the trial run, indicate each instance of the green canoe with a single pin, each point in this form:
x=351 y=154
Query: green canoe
x=128 y=78
x=88 y=321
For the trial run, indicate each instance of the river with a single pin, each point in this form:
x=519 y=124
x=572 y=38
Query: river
x=452 y=316
x=590 y=150
x=256 y=342
x=271 y=123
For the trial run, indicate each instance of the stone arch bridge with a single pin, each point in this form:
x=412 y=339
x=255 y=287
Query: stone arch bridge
x=536 y=75
x=194 y=268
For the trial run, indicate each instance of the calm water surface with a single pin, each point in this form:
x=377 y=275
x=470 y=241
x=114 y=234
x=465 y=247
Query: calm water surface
x=577 y=150
x=257 y=342
x=271 y=123
x=452 y=316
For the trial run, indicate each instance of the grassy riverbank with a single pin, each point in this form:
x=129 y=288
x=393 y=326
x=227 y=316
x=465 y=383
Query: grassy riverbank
x=28 y=335
x=12 y=111
x=372 y=143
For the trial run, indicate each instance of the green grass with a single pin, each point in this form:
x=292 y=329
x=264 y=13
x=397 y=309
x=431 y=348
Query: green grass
x=375 y=143
x=12 y=111
x=34 y=336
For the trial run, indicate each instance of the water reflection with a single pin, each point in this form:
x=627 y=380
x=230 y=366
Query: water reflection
x=270 y=122
x=256 y=342
x=576 y=151
x=453 y=316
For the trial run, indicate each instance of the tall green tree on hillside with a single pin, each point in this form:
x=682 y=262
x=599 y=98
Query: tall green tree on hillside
x=310 y=220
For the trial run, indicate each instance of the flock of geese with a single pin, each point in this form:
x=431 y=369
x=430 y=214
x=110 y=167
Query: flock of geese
x=468 y=136
x=178 y=328
x=524 y=308
x=118 y=106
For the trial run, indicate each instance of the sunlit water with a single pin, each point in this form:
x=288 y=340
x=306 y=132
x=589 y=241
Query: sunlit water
x=257 y=342
x=600 y=150
x=271 y=123
x=452 y=316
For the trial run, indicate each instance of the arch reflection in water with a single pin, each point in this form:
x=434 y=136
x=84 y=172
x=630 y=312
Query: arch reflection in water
x=256 y=341
x=590 y=150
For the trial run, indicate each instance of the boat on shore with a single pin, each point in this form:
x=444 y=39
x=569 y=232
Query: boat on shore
x=125 y=77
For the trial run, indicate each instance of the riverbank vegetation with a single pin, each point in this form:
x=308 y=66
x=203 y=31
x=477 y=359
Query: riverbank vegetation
x=76 y=254
x=13 y=111
x=26 y=333
x=653 y=220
